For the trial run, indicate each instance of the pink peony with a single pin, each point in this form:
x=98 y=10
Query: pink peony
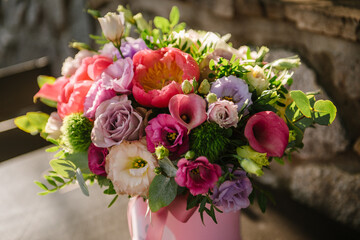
x=91 y=68
x=118 y=76
x=267 y=133
x=96 y=159
x=72 y=97
x=189 y=109
x=159 y=74
x=165 y=130
x=198 y=176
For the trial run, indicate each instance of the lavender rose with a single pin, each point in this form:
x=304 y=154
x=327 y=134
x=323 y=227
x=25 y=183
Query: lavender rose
x=96 y=159
x=223 y=113
x=233 y=195
x=115 y=121
x=96 y=95
x=232 y=89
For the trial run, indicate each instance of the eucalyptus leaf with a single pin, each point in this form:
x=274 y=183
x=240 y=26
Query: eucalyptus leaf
x=162 y=192
x=302 y=102
x=81 y=182
x=64 y=168
x=167 y=166
x=325 y=112
x=80 y=159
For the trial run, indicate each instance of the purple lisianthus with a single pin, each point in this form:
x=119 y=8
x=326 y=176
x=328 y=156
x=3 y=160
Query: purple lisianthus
x=167 y=131
x=96 y=95
x=128 y=48
x=96 y=160
x=224 y=113
x=115 y=121
x=233 y=195
x=232 y=89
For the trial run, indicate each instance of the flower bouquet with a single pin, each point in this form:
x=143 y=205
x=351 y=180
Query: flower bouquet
x=178 y=119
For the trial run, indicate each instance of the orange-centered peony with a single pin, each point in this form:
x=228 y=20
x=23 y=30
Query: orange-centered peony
x=159 y=74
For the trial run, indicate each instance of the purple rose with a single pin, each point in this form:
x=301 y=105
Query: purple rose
x=96 y=160
x=167 y=131
x=232 y=89
x=96 y=95
x=233 y=195
x=223 y=113
x=115 y=121
x=118 y=76
x=128 y=48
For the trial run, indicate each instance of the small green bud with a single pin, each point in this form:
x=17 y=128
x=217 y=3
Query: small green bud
x=286 y=63
x=161 y=152
x=190 y=155
x=261 y=53
x=127 y=13
x=80 y=46
x=204 y=87
x=249 y=153
x=186 y=87
x=141 y=22
x=158 y=170
x=211 y=98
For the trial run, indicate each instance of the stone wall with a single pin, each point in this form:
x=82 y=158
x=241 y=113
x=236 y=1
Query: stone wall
x=325 y=34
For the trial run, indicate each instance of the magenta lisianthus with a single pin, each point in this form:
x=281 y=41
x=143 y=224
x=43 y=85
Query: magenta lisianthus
x=198 y=176
x=159 y=74
x=188 y=109
x=267 y=133
x=167 y=131
x=96 y=159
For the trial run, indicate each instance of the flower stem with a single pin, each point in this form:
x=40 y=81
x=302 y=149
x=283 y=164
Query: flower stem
x=299 y=119
x=120 y=52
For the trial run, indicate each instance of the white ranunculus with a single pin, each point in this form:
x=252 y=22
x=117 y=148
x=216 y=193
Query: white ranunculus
x=256 y=79
x=113 y=27
x=53 y=126
x=70 y=64
x=130 y=167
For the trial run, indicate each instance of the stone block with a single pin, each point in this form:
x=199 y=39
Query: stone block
x=248 y=8
x=329 y=189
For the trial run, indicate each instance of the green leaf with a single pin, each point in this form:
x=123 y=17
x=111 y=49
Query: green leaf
x=52 y=149
x=80 y=159
x=174 y=16
x=325 y=112
x=41 y=185
x=58 y=179
x=251 y=167
x=113 y=201
x=167 y=166
x=50 y=181
x=94 y=13
x=179 y=27
x=262 y=201
x=48 y=102
x=162 y=192
x=279 y=160
x=193 y=201
x=302 y=102
x=162 y=23
x=81 y=182
x=42 y=79
x=32 y=122
x=64 y=168
x=43 y=193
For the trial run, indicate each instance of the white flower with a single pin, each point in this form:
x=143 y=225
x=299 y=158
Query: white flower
x=113 y=27
x=130 y=167
x=53 y=126
x=70 y=64
x=256 y=79
x=224 y=113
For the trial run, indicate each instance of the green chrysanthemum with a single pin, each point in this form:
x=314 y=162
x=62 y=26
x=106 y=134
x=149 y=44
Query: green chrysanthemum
x=76 y=130
x=209 y=140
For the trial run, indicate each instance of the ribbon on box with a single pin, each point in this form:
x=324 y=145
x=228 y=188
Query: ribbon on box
x=140 y=225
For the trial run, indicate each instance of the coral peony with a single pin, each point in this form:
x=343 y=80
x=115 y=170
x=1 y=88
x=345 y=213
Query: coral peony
x=189 y=109
x=159 y=74
x=91 y=68
x=198 y=176
x=167 y=131
x=267 y=133
x=130 y=167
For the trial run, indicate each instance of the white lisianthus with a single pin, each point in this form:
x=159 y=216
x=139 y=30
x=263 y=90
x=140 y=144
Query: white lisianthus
x=183 y=37
x=53 y=126
x=256 y=79
x=113 y=26
x=130 y=167
x=70 y=64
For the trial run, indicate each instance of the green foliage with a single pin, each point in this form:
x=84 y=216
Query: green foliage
x=64 y=168
x=167 y=167
x=324 y=112
x=81 y=182
x=42 y=79
x=162 y=192
x=32 y=122
x=225 y=68
x=203 y=201
x=209 y=140
x=302 y=102
x=76 y=131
